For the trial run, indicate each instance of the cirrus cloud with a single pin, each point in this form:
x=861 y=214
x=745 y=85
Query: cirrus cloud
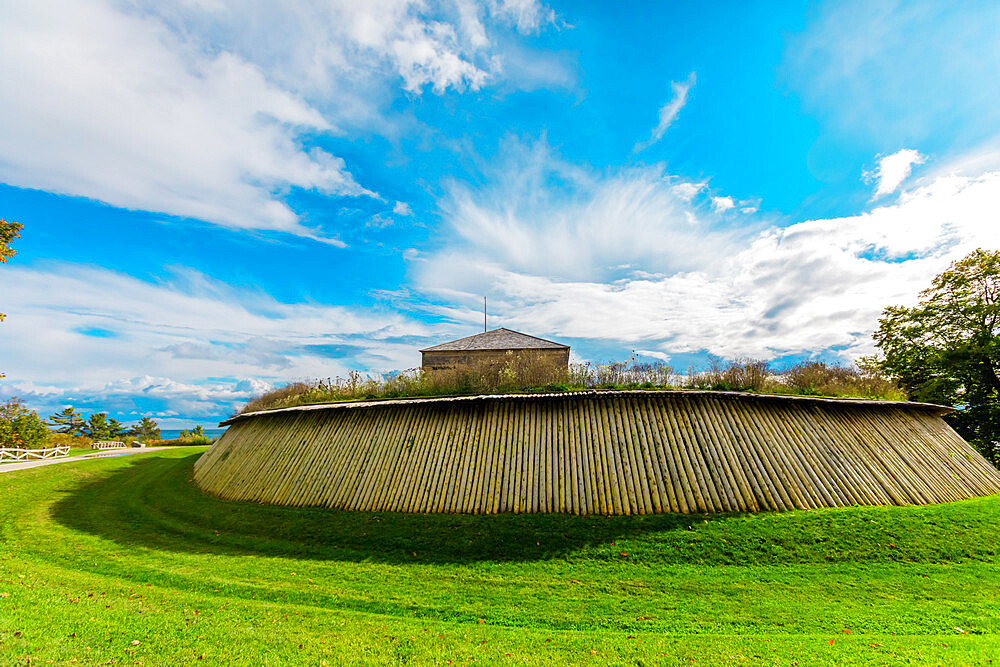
x=669 y=111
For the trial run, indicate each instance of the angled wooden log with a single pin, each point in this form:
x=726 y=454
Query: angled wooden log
x=634 y=452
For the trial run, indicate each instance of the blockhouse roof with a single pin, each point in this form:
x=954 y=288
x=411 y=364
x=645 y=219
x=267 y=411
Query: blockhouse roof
x=498 y=339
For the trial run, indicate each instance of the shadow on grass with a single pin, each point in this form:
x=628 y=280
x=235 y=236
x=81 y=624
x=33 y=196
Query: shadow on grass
x=153 y=503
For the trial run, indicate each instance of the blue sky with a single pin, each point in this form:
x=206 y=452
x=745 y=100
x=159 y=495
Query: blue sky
x=222 y=197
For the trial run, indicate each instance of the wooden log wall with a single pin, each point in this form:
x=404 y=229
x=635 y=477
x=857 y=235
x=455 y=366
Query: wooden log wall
x=596 y=453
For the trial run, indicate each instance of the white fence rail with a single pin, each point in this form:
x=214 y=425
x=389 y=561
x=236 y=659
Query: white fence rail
x=17 y=454
x=108 y=444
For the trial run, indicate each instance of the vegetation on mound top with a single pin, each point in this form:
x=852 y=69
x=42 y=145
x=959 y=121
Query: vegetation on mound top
x=124 y=560
x=525 y=374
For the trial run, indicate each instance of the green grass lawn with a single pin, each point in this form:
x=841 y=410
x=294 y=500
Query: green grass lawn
x=124 y=560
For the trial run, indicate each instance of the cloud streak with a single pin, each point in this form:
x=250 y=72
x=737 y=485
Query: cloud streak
x=668 y=112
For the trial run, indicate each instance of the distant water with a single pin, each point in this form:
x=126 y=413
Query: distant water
x=171 y=433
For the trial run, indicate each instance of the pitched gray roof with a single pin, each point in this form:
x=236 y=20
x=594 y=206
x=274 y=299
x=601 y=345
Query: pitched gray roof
x=498 y=339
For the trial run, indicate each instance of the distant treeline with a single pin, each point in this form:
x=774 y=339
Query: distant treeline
x=23 y=428
x=524 y=373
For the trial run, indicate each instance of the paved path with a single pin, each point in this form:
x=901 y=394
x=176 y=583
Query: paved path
x=8 y=467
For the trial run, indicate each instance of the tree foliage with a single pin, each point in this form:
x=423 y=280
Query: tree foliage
x=67 y=421
x=946 y=349
x=21 y=427
x=116 y=429
x=146 y=428
x=96 y=427
x=8 y=232
x=100 y=426
x=197 y=432
x=69 y=426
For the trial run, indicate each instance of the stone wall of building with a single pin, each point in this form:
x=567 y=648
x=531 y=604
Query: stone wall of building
x=447 y=359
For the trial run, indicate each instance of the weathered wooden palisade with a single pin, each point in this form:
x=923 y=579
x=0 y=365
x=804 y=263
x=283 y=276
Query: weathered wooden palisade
x=623 y=452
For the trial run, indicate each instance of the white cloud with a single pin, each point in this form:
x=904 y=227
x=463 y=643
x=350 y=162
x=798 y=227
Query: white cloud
x=130 y=399
x=892 y=170
x=668 y=112
x=380 y=221
x=655 y=354
x=687 y=191
x=111 y=106
x=814 y=286
x=332 y=50
x=402 y=208
x=723 y=204
x=424 y=54
x=181 y=331
x=205 y=110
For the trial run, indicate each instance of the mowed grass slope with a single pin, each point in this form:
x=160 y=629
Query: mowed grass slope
x=124 y=560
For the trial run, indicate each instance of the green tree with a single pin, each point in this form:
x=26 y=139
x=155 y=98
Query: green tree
x=197 y=432
x=116 y=429
x=67 y=421
x=946 y=349
x=97 y=427
x=146 y=428
x=21 y=427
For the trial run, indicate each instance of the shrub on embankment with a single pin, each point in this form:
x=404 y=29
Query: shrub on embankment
x=523 y=374
x=189 y=441
x=195 y=436
x=75 y=441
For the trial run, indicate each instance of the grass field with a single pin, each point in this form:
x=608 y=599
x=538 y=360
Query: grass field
x=124 y=560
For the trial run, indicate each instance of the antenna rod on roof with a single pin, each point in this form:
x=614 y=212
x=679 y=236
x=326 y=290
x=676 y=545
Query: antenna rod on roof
x=484 y=314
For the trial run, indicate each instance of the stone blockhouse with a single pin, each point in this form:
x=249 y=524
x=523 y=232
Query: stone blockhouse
x=492 y=346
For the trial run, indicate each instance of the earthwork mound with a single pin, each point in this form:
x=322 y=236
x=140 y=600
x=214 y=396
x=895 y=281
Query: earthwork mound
x=623 y=452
